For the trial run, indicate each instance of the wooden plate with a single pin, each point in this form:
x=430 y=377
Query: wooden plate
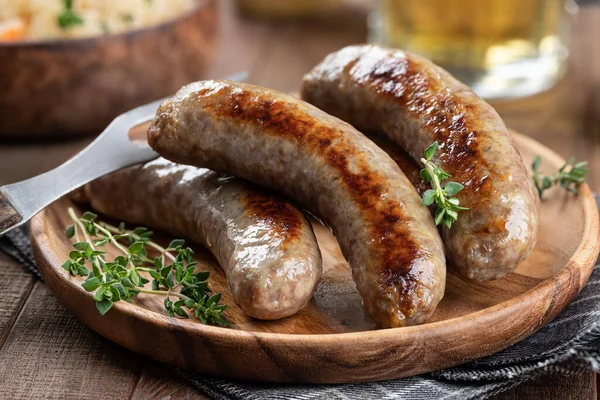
x=332 y=340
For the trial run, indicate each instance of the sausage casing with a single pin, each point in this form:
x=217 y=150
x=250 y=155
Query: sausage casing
x=325 y=165
x=264 y=244
x=416 y=103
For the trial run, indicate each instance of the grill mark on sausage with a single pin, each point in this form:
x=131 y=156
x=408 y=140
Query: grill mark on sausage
x=186 y=199
x=403 y=80
x=282 y=217
x=415 y=103
x=394 y=245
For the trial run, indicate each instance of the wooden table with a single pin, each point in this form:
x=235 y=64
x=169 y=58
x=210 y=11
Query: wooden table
x=45 y=352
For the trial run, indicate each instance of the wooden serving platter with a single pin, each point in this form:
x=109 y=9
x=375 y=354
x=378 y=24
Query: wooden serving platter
x=332 y=340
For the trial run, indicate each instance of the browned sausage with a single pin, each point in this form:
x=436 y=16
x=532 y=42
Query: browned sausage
x=417 y=103
x=325 y=165
x=264 y=244
x=403 y=160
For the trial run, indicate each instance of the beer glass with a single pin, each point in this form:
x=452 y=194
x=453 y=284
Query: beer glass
x=501 y=48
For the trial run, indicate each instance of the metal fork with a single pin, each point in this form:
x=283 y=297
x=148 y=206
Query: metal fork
x=111 y=151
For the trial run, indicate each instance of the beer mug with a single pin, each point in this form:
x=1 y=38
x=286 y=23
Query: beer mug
x=501 y=48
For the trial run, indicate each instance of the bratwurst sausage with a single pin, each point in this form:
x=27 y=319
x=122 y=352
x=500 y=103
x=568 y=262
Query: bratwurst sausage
x=264 y=244
x=325 y=165
x=417 y=103
x=403 y=160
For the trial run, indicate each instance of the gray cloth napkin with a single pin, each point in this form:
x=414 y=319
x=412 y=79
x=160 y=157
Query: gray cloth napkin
x=568 y=345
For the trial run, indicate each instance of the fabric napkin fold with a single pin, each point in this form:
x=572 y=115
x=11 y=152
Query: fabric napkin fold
x=568 y=345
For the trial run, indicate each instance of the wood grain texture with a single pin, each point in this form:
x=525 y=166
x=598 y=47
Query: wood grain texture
x=15 y=285
x=8 y=215
x=555 y=387
x=158 y=381
x=50 y=354
x=75 y=87
x=332 y=340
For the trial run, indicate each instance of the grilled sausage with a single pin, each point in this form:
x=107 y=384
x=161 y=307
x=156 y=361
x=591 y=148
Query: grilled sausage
x=264 y=244
x=417 y=103
x=325 y=165
x=403 y=160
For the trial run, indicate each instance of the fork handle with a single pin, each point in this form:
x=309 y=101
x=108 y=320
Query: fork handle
x=111 y=151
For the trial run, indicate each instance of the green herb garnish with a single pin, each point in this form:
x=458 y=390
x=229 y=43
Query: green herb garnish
x=127 y=18
x=185 y=292
x=568 y=179
x=68 y=18
x=442 y=196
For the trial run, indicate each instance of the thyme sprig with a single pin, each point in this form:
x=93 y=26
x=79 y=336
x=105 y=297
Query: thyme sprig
x=447 y=205
x=67 y=17
x=184 y=291
x=569 y=176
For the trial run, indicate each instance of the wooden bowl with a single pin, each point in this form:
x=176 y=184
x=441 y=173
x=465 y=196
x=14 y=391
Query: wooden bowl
x=77 y=86
x=332 y=340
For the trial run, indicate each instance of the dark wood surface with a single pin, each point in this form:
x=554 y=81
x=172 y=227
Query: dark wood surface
x=46 y=352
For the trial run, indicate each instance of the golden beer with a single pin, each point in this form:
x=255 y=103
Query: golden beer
x=502 y=48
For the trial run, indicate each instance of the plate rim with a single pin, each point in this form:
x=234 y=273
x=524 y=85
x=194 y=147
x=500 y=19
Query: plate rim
x=579 y=266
